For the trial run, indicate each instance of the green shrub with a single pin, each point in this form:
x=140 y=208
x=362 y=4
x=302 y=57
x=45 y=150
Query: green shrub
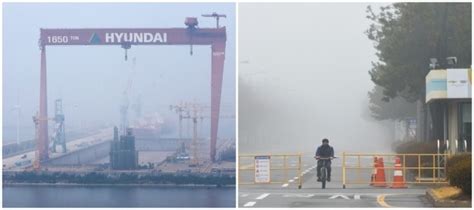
x=459 y=172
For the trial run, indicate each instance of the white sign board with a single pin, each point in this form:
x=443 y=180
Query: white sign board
x=458 y=83
x=262 y=169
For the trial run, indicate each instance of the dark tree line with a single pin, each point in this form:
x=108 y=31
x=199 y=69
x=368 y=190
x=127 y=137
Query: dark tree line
x=122 y=178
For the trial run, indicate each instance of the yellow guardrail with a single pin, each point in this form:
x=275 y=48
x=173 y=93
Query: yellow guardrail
x=280 y=168
x=419 y=165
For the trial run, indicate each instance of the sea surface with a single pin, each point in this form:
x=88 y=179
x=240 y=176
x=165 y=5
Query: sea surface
x=117 y=196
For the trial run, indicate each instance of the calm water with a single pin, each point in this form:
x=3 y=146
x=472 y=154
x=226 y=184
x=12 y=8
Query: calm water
x=120 y=196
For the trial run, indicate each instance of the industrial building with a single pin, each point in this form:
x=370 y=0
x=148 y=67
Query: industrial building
x=448 y=93
x=123 y=155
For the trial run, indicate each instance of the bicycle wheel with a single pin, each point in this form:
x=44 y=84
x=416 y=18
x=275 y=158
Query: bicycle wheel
x=323 y=177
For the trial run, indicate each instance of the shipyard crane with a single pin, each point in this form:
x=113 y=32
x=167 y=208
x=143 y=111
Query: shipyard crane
x=190 y=111
x=37 y=161
x=125 y=100
x=190 y=35
x=216 y=16
x=59 y=134
x=182 y=110
x=193 y=112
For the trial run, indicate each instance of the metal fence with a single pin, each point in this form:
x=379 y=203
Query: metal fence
x=357 y=168
x=282 y=169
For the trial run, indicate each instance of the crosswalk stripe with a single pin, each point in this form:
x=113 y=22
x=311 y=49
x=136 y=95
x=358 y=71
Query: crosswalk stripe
x=249 y=204
x=262 y=196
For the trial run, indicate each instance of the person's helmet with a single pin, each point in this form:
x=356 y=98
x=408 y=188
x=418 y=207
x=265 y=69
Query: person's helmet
x=325 y=140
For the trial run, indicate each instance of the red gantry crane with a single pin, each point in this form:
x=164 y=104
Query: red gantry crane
x=126 y=38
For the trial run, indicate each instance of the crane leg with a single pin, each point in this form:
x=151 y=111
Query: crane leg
x=218 y=57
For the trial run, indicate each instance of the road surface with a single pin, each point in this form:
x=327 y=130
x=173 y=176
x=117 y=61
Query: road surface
x=311 y=195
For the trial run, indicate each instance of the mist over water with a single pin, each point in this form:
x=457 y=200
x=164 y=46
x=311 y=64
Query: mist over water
x=303 y=76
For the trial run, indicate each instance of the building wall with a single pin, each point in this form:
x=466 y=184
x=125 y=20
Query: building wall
x=452 y=125
x=83 y=156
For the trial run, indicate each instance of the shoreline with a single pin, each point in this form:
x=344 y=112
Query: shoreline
x=118 y=185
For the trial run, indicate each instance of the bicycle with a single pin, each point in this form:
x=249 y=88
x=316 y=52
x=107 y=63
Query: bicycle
x=324 y=171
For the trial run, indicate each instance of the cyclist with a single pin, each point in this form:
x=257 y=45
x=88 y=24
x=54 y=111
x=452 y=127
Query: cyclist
x=324 y=151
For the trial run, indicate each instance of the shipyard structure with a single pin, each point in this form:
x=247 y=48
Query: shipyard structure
x=123 y=155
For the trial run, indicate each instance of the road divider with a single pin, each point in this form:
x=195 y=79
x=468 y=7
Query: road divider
x=270 y=169
x=406 y=169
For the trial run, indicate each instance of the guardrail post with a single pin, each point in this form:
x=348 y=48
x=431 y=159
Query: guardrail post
x=404 y=168
x=285 y=167
x=299 y=172
x=434 y=169
x=419 y=168
x=344 y=170
x=359 y=177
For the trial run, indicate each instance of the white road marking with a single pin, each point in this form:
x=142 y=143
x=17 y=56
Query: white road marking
x=291 y=180
x=295 y=177
x=298 y=195
x=244 y=195
x=356 y=197
x=263 y=196
x=249 y=204
x=342 y=196
x=285 y=185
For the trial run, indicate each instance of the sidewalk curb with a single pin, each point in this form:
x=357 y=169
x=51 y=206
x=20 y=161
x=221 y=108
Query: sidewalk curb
x=445 y=203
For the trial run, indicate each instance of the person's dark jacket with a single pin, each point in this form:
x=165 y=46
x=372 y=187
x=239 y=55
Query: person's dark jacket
x=325 y=151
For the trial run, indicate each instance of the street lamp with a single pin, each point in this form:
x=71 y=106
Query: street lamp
x=451 y=61
x=433 y=63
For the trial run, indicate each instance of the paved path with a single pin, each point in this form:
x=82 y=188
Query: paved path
x=311 y=195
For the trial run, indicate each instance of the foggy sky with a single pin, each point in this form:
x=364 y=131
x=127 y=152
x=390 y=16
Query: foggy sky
x=91 y=79
x=303 y=77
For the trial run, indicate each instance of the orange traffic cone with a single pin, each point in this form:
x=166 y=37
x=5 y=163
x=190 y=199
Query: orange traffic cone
x=374 y=172
x=398 y=181
x=380 y=174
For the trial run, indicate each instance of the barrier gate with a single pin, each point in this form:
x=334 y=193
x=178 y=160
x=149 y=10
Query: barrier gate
x=270 y=169
x=416 y=168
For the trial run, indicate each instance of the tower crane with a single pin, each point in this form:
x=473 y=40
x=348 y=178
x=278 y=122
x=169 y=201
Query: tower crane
x=125 y=100
x=193 y=112
x=182 y=110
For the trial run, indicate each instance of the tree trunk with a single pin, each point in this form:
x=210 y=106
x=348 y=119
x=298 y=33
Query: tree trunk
x=422 y=121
